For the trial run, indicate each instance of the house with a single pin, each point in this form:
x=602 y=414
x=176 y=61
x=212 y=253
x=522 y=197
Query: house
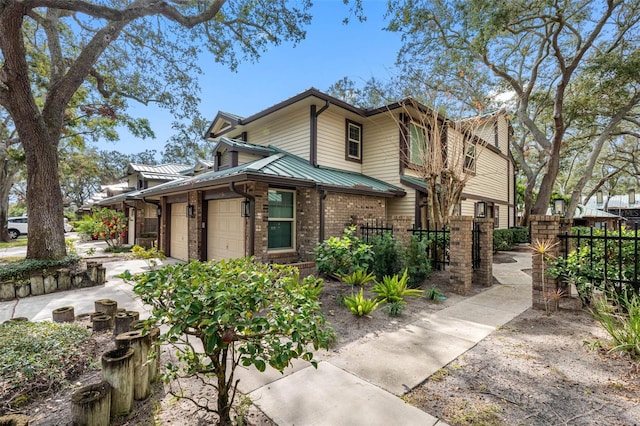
x=626 y=206
x=296 y=173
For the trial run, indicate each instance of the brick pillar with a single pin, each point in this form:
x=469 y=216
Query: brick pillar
x=460 y=241
x=544 y=238
x=483 y=275
x=194 y=226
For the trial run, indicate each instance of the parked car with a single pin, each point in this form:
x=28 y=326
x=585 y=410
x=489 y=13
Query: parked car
x=19 y=225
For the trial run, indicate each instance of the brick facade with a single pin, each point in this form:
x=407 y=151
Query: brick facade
x=401 y=226
x=460 y=241
x=342 y=210
x=196 y=240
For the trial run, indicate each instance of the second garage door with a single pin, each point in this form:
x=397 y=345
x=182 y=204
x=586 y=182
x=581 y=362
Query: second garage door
x=225 y=229
x=179 y=248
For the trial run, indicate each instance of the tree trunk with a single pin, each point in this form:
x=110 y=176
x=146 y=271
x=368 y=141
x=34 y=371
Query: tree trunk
x=548 y=180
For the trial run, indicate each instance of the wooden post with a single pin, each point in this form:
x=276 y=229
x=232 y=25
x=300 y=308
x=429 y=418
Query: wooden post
x=134 y=314
x=109 y=307
x=123 y=320
x=154 y=364
x=140 y=344
x=90 y=405
x=101 y=322
x=65 y=314
x=117 y=370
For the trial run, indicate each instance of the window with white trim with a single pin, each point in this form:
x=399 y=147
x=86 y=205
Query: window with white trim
x=281 y=230
x=354 y=141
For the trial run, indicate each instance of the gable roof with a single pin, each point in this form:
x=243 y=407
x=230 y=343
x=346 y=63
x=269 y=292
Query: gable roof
x=283 y=168
x=241 y=146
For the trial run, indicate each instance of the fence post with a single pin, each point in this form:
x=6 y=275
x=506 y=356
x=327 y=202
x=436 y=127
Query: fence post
x=483 y=274
x=460 y=256
x=544 y=229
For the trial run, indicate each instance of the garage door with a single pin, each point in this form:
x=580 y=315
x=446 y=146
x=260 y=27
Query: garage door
x=131 y=227
x=225 y=229
x=179 y=237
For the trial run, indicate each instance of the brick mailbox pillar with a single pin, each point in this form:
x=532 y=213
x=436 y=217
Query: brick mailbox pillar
x=460 y=259
x=483 y=275
x=545 y=244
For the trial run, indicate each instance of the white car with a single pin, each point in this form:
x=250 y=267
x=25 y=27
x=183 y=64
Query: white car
x=17 y=226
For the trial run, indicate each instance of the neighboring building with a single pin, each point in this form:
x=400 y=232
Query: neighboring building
x=626 y=206
x=288 y=177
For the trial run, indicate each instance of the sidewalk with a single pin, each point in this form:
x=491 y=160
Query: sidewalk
x=362 y=384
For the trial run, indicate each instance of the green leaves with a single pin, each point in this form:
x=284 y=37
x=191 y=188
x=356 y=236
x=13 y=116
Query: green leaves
x=360 y=305
x=394 y=289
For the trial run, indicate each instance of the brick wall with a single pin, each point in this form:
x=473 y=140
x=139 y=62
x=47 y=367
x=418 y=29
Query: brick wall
x=544 y=232
x=307 y=222
x=342 y=210
x=483 y=275
x=401 y=225
x=194 y=228
x=460 y=241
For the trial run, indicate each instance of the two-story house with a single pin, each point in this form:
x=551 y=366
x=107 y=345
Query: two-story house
x=290 y=176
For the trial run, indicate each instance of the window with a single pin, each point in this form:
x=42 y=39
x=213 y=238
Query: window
x=470 y=157
x=354 y=141
x=281 y=232
x=417 y=143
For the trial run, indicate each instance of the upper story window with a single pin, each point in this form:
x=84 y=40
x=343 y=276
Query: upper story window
x=470 y=157
x=417 y=143
x=353 y=143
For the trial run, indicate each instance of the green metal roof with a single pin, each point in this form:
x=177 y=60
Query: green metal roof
x=286 y=167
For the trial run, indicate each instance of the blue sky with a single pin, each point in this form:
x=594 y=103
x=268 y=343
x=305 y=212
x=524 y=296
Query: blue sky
x=330 y=51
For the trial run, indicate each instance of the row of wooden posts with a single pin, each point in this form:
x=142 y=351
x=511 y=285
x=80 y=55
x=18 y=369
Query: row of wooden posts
x=127 y=371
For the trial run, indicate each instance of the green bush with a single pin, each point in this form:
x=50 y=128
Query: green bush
x=502 y=239
x=394 y=289
x=520 y=235
x=620 y=320
x=387 y=255
x=38 y=357
x=360 y=305
x=343 y=255
x=22 y=269
x=416 y=262
x=357 y=278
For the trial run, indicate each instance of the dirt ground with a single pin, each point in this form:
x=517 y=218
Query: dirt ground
x=537 y=370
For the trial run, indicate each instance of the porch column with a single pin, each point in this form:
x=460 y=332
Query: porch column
x=483 y=275
x=460 y=259
x=544 y=244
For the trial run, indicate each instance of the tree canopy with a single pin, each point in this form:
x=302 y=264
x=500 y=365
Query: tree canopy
x=111 y=52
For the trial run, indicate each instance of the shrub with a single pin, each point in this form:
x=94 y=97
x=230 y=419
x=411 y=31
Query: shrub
x=359 y=278
x=104 y=224
x=394 y=289
x=38 y=357
x=387 y=255
x=621 y=321
x=22 y=269
x=343 y=255
x=241 y=312
x=503 y=239
x=520 y=235
x=148 y=255
x=416 y=262
x=360 y=305
x=434 y=294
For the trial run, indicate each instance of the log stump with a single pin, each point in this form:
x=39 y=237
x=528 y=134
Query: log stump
x=136 y=325
x=101 y=322
x=117 y=370
x=154 y=364
x=122 y=322
x=65 y=314
x=18 y=319
x=108 y=306
x=140 y=343
x=91 y=405
x=134 y=314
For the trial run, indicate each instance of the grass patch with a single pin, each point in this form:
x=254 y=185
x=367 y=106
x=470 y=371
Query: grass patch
x=20 y=242
x=38 y=358
x=475 y=414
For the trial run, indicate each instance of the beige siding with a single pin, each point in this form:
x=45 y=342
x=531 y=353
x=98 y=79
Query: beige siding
x=331 y=140
x=243 y=158
x=287 y=130
x=381 y=149
x=225 y=159
x=491 y=179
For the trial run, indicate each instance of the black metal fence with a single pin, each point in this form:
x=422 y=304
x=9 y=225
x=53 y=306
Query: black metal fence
x=475 y=247
x=608 y=259
x=369 y=229
x=438 y=246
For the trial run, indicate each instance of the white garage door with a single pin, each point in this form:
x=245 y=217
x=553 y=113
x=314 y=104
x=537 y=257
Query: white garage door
x=225 y=229
x=179 y=236
x=131 y=227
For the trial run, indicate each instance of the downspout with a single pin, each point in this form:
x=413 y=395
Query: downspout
x=323 y=195
x=313 y=148
x=252 y=216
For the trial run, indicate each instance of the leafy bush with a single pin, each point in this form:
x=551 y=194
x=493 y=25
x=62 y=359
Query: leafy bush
x=104 y=224
x=416 y=262
x=38 y=357
x=344 y=255
x=434 y=294
x=387 y=255
x=394 y=309
x=242 y=312
x=360 y=305
x=520 y=235
x=359 y=278
x=22 y=269
x=620 y=321
x=394 y=289
x=503 y=239
x=148 y=255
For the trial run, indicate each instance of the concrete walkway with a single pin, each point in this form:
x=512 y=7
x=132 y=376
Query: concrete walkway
x=362 y=384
